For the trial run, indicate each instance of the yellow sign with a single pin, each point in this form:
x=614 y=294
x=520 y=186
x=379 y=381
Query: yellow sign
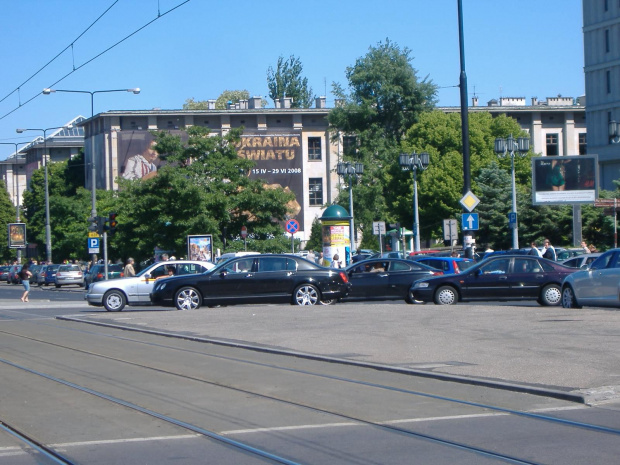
x=93 y=234
x=469 y=201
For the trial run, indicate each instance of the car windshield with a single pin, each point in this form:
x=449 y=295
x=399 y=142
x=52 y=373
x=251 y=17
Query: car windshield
x=465 y=264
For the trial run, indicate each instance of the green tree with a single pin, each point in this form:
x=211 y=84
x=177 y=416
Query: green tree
x=384 y=99
x=287 y=81
x=7 y=215
x=232 y=96
x=315 y=242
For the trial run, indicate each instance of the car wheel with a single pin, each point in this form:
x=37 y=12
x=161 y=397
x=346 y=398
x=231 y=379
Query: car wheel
x=306 y=294
x=410 y=299
x=187 y=298
x=328 y=302
x=114 y=300
x=551 y=295
x=568 y=298
x=446 y=295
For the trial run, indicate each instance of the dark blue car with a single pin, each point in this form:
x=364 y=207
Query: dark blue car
x=47 y=275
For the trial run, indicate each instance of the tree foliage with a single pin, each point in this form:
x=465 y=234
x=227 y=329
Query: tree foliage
x=287 y=81
x=232 y=96
x=7 y=215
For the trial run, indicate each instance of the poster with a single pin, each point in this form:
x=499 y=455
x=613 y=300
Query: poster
x=200 y=248
x=17 y=235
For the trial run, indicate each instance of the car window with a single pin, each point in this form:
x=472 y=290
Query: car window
x=158 y=271
x=499 y=266
x=432 y=263
x=465 y=264
x=573 y=262
x=400 y=266
x=266 y=264
x=603 y=261
x=190 y=268
x=243 y=265
x=525 y=265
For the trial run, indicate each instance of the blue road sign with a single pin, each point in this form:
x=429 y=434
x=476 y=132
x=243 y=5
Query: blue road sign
x=512 y=218
x=93 y=245
x=292 y=226
x=469 y=221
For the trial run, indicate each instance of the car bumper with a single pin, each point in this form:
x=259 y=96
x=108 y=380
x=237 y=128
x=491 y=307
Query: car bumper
x=94 y=299
x=70 y=281
x=424 y=294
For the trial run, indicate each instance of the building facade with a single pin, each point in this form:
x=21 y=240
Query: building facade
x=601 y=43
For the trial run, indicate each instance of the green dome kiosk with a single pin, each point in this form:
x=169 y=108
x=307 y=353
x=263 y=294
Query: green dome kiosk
x=336 y=237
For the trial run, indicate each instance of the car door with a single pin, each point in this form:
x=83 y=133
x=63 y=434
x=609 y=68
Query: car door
x=488 y=282
x=274 y=278
x=401 y=276
x=370 y=279
x=590 y=287
x=609 y=278
x=142 y=285
x=235 y=280
x=526 y=277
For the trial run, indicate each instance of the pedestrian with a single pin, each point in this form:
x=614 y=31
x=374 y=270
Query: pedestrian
x=319 y=258
x=25 y=275
x=592 y=248
x=129 y=270
x=336 y=261
x=549 y=251
x=164 y=257
x=585 y=247
x=311 y=256
x=534 y=250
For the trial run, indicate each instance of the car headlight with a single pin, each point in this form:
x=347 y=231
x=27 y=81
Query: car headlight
x=423 y=284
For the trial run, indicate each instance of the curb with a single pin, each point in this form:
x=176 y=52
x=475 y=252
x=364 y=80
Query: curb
x=577 y=397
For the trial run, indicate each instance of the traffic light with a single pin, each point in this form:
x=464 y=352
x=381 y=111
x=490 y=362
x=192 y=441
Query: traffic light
x=101 y=224
x=112 y=223
x=93 y=226
x=396 y=228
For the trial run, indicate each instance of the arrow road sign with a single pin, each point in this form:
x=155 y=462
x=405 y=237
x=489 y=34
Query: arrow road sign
x=469 y=221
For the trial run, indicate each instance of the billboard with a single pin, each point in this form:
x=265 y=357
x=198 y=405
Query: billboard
x=564 y=180
x=278 y=158
x=17 y=235
x=200 y=248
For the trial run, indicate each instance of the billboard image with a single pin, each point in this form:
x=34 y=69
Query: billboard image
x=564 y=180
x=200 y=248
x=136 y=157
x=17 y=235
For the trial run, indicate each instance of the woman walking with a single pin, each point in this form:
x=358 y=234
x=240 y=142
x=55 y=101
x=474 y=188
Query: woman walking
x=25 y=274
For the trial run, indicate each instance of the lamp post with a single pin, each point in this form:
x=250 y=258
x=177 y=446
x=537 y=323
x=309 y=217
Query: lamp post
x=415 y=161
x=16 y=168
x=346 y=168
x=93 y=181
x=505 y=147
x=48 y=231
x=614 y=132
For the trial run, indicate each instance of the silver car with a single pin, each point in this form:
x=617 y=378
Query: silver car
x=598 y=285
x=114 y=294
x=69 y=274
x=581 y=260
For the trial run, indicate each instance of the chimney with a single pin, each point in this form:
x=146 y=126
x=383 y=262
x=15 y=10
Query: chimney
x=277 y=103
x=256 y=102
x=340 y=102
x=286 y=102
x=320 y=102
x=534 y=101
x=243 y=104
x=474 y=101
x=210 y=104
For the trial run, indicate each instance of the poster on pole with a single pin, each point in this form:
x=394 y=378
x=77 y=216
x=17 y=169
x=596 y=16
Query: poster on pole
x=17 y=235
x=564 y=179
x=200 y=247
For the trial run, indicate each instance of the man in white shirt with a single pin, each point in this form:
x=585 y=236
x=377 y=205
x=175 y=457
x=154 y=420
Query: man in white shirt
x=142 y=165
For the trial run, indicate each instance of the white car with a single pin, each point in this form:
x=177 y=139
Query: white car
x=114 y=294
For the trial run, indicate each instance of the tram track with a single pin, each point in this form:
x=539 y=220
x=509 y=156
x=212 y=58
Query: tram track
x=530 y=416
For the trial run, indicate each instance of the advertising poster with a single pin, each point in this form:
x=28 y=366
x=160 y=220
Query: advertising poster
x=136 y=157
x=564 y=180
x=17 y=235
x=336 y=243
x=200 y=248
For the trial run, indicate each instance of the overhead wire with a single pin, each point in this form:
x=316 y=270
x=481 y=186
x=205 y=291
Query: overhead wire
x=38 y=94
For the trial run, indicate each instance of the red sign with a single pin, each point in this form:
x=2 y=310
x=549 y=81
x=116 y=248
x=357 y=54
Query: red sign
x=292 y=226
x=244 y=232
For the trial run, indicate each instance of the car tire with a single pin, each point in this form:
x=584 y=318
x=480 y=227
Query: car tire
x=328 y=302
x=187 y=298
x=446 y=295
x=114 y=300
x=568 y=298
x=306 y=294
x=551 y=295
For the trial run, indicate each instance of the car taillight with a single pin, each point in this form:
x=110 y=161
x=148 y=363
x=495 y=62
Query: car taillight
x=122 y=275
x=437 y=273
x=344 y=277
x=43 y=274
x=99 y=276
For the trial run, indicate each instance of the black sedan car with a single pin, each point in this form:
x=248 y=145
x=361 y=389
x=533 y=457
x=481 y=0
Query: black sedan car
x=500 y=278
x=385 y=278
x=254 y=279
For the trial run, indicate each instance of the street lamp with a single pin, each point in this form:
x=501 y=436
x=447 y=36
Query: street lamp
x=16 y=168
x=48 y=231
x=415 y=161
x=47 y=91
x=346 y=168
x=505 y=147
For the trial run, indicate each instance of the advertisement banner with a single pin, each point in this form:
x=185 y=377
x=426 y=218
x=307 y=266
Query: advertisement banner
x=17 y=235
x=200 y=248
x=564 y=180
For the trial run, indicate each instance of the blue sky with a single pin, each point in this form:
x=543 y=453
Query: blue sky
x=524 y=48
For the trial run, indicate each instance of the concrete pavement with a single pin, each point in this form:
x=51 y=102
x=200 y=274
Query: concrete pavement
x=553 y=351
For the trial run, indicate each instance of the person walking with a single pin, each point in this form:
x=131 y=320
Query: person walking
x=534 y=250
x=549 y=251
x=585 y=248
x=129 y=270
x=25 y=275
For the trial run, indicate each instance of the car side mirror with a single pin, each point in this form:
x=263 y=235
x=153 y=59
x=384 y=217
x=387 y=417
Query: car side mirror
x=223 y=273
x=147 y=276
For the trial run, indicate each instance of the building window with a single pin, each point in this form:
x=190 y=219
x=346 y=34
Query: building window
x=608 y=77
x=552 y=145
x=607 y=45
x=583 y=148
x=606 y=5
x=349 y=145
x=315 y=185
x=314 y=148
